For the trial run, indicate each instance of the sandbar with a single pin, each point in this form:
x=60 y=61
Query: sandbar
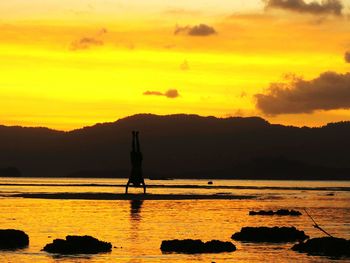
x=119 y=196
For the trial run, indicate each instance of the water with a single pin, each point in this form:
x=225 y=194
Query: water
x=136 y=228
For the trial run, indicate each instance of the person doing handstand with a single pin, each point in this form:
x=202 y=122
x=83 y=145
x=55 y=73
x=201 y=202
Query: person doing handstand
x=136 y=177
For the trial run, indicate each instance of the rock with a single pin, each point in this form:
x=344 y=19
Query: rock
x=280 y=212
x=261 y=213
x=13 y=239
x=189 y=246
x=325 y=246
x=78 y=245
x=269 y=234
x=285 y=212
x=210 y=182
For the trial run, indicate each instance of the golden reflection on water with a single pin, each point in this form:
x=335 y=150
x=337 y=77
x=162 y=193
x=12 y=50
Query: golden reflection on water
x=136 y=228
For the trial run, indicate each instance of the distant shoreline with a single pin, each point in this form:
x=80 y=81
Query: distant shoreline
x=188 y=178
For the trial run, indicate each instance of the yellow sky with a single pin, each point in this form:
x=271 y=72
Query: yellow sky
x=68 y=64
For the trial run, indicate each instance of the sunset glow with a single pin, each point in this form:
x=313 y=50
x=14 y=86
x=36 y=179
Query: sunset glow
x=68 y=64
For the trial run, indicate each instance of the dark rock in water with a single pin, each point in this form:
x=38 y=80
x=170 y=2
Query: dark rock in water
x=78 y=245
x=269 y=234
x=210 y=182
x=13 y=239
x=189 y=246
x=280 y=212
x=261 y=213
x=325 y=246
x=286 y=212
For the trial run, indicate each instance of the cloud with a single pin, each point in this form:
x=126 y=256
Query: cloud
x=333 y=7
x=171 y=93
x=201 y=30
x=87 y=42
x=197 y=30
x=156 y=93
x=184 y=65
x=347 y=56
x=329 y=91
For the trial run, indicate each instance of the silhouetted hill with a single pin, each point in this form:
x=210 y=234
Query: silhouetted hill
x=186 y=146
x=9 y=172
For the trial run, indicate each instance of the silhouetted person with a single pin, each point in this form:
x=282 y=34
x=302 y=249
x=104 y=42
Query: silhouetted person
x=136 y=177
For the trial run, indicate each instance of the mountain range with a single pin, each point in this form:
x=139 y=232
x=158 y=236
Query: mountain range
x=181 y=146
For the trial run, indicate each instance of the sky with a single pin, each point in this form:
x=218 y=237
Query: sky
x=73 y=63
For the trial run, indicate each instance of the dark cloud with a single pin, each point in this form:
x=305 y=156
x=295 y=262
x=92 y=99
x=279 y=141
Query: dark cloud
x=333 y=7
x=171 y=93
x=87 y=42
x=201 y=30
x=347 y=57
x=329 y=91
x=197 y=30
x=181 y=29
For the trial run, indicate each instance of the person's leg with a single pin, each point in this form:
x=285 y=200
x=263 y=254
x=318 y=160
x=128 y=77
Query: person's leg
x=127 y=186
x=133 y=141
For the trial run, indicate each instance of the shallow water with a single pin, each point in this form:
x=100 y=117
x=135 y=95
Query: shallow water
x=136 y=228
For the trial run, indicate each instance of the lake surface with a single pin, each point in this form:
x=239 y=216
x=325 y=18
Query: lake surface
x=136 y=228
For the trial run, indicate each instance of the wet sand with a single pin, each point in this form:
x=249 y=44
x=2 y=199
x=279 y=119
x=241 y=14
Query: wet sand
x=111 y=196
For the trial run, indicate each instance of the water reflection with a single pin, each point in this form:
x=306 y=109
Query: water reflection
x=135 y=222
x=135 y=210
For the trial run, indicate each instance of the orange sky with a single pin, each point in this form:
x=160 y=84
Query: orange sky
x=68 y=64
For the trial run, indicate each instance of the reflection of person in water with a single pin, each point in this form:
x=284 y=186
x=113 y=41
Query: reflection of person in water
x=135 y=209
x=135 y=220
x=136 y=177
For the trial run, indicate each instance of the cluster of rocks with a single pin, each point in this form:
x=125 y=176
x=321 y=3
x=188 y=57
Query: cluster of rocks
x=78 y=245
x=190 y=246
x=11 y=239
x=280 y=212
x=270 y=234
x=325 y=246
